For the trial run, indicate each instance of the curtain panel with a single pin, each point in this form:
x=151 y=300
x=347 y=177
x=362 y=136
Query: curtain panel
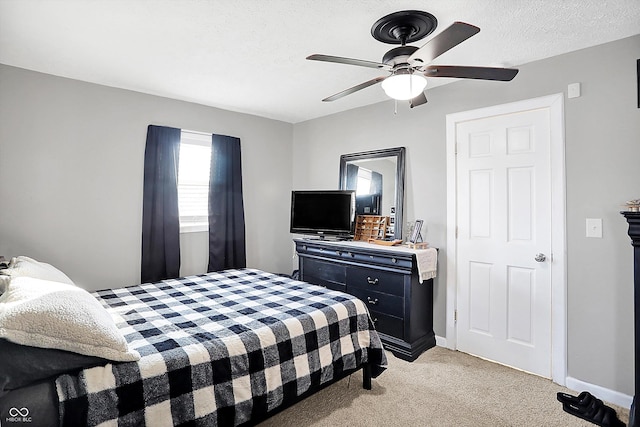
x=352 y=176
x=160 y=216
x=226 y=207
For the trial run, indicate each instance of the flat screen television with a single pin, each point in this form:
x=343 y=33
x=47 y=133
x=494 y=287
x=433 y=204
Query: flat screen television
x=323 y=212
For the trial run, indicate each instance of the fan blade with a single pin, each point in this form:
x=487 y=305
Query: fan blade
x=354 y=89
x=418 y=100
x=452 y=36
x=482 y=73
x=348 y=61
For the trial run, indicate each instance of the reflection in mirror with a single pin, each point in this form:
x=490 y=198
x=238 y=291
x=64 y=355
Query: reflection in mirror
x=378 y=179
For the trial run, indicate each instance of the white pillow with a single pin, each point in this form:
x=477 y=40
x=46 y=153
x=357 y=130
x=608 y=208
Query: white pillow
x=47 y=314
x=25 y=266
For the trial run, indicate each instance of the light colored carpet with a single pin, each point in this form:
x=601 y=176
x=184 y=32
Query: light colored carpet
x=441 y=388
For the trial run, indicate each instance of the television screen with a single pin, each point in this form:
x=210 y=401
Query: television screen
x=322 y=212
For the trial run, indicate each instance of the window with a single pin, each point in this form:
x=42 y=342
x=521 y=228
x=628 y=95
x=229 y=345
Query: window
x=364 y=182
x=193 y=181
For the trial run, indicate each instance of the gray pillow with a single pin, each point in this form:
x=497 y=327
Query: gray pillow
x=22 y=365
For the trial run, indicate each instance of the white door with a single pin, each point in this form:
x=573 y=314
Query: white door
x=504 y=239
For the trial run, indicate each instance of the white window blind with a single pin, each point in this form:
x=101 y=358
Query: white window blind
x=193 y=181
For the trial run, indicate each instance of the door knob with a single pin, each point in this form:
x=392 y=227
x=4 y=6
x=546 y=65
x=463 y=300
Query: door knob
x=540 y=258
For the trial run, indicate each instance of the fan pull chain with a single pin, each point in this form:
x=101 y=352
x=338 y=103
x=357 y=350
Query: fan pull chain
x=410 y=81
x=395 y=108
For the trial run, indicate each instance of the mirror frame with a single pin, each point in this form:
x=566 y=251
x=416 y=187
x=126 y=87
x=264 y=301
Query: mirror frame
x=399 y=154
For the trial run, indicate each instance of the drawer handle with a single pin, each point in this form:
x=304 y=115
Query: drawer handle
x=372 y=281
x=372 y=301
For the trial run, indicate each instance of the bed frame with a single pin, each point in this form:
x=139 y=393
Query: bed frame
x=43 y=402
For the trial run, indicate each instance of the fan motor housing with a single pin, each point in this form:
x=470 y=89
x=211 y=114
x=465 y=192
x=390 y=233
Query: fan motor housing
x=398 y=55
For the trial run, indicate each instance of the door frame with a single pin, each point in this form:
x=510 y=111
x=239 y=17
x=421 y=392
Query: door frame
x=555 y=105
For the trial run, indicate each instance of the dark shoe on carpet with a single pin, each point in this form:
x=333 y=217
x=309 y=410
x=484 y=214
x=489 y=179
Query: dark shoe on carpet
x=581 y=400
x=595 y=411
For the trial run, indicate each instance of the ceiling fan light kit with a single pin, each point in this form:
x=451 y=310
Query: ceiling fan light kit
x=404 y=85
x=408 y=65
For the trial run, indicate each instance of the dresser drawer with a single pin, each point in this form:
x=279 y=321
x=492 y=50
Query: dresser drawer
x=382 y=303
x=354 y=254
x=386 y=324
x=402 y=261
x=325 y=283
x=376 y=280
x=327 y=274
x=325 y=270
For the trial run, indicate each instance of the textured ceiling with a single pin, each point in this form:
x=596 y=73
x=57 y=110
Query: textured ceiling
x=249 y=55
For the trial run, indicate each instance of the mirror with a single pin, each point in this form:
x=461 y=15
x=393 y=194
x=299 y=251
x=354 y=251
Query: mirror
x=378 y=179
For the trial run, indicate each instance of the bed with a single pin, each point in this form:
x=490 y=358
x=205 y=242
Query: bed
x=226 y=348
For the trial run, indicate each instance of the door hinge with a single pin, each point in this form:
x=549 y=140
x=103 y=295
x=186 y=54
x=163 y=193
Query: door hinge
x=455 y=315
x=456 y=231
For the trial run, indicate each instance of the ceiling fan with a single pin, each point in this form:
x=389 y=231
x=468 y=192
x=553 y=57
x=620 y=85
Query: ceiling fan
x=408 y=65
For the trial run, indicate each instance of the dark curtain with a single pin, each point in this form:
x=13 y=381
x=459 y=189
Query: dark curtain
x=352 y=176
x=226 y=208
x=160 y=217
x=376 y=192
x=376 y=184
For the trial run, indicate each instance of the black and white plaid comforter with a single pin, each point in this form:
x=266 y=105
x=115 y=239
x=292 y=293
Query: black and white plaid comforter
x=220 y=349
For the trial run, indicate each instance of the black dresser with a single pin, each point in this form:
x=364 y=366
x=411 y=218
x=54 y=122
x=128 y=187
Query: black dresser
x=386 y=279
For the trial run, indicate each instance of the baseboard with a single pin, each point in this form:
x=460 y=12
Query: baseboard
x=441 y=341
x=601 y=393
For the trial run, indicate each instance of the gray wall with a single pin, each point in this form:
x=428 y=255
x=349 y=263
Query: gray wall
x=602 y=172
x=71 y=169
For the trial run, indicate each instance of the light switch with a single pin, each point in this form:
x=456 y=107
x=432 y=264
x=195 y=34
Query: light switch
x=594 y=227
x=573 y=90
